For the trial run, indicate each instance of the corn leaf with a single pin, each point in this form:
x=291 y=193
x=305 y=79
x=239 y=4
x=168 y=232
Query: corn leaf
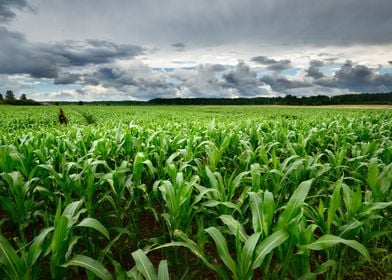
x=91 y=265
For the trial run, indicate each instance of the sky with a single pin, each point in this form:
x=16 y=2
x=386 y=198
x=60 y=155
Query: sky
x=138 y=50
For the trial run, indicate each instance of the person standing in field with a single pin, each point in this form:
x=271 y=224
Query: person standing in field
x=62 y=117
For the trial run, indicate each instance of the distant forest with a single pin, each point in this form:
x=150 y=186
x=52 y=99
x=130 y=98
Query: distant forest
x=348 y=99
x=354 y=99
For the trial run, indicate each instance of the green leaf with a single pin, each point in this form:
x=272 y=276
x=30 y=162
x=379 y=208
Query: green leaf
x=373 y=174
x=144 y=265
x=324 y=267
x=234 y=226
x=212 y=179
x=294 y=204
x=348 y=227
x=91 y=265
x=228 y=204
x=222 y=248
x=71 y=208
x=248 y=252
x=163 y=271
x=8 y=257
x=191 y=245
x=36 y=247
x=327 y=241
x=267 y=245
x=255 y=207
x=268 y=208
x=94 y=224
x=334 y=204
x=60 y=234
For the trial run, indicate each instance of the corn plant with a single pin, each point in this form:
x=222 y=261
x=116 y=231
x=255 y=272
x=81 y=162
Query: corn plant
x=230 y=192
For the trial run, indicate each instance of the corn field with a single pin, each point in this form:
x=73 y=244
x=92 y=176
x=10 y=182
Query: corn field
x=195 y=193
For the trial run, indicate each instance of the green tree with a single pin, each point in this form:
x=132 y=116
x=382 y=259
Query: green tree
x=23 y=97
x=9 y=97
x=1 y=99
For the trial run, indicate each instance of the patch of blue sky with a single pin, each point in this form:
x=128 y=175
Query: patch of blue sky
x=171 y=69
x=47 y=85
x=329 y=70
x=385 y=70
x=189 y=68
x=163 y=69
x=261 y=72
x=291 y=72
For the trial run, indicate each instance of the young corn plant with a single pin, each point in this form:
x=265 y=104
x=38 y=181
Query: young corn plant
x=144 y=269
x=63 y=242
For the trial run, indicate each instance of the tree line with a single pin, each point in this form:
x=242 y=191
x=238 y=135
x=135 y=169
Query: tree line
x=347 y=99
x=11 y=99
x=352 y=99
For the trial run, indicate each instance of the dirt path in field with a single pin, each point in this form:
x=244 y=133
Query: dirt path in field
x=375 y=107
x=380 y=107
x=363 y=107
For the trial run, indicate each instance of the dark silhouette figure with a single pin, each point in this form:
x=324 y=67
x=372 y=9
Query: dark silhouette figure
x=62 y=117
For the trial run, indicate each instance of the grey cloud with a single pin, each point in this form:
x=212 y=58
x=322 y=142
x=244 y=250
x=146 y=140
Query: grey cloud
x=216 y=67
x=273 y=64
x=200 y=82
x=139 y=81
x=6 y=83
x=7 y=6
x=314 y=71
x=92 y=51
x=263 y=60
x=332 y=22
x=390 y=62
x=244 y=80
x=19 y=56
x=358 y=78
x=316 y=63
x=282 y=84
x=328 y=57
x=179 y=46
x=65 y=78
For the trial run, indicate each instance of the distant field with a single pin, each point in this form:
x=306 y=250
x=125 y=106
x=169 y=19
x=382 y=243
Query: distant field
x=197 y=192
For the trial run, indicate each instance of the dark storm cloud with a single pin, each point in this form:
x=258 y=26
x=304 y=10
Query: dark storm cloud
x=316 y=63
x=92 y=51
x=138 y=80
x=303 y=21
x=66 y=78
x=273 y=64
x=179 y=46
x=390 y=62
x=19 y=56
x=358 y=78
x=7 y=6
x=218 y=67
x=314 y=69
x=332 y=22
x=282 y=84
x=243 y=79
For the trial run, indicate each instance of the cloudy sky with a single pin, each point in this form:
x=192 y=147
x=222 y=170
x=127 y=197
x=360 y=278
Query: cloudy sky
x=138 y=50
